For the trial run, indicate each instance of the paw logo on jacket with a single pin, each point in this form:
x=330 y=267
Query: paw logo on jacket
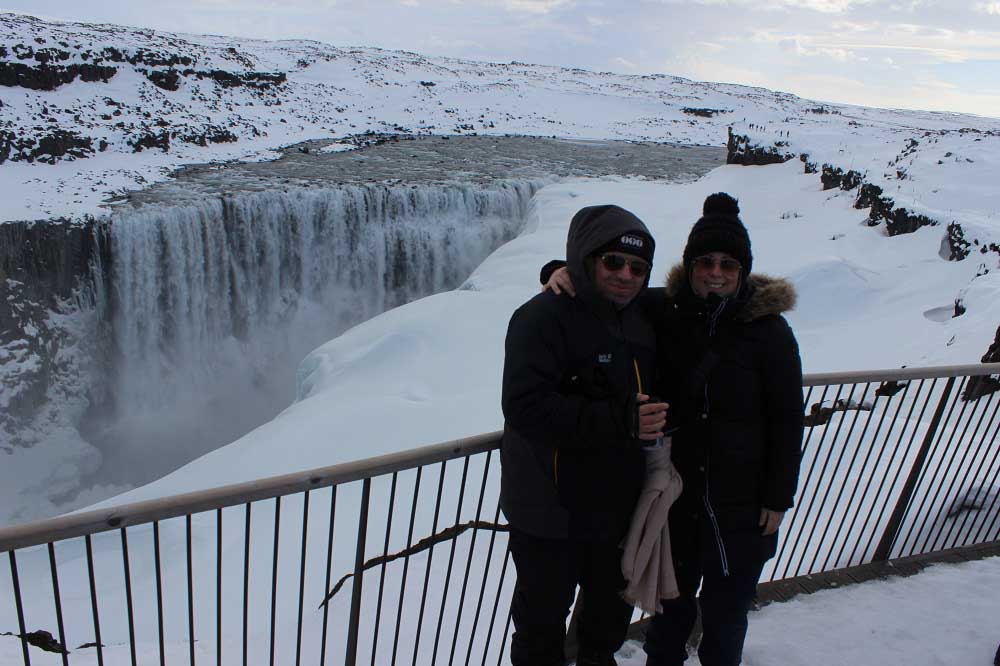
x=604 y=358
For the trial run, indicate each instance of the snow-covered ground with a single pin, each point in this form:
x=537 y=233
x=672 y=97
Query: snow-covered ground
x=949 y=614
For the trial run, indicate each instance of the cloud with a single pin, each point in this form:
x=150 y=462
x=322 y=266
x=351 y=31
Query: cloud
x=535 y=6
x=992 y=8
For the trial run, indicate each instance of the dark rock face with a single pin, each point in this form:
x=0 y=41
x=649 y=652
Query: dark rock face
x=836 y=177
x=980 y=386
x=44 y=268
x=958 y=246
x=741 y=151
x=702 y=112
x=168 y=80
x=249 y=79
x=49 y=148
x=50 y=77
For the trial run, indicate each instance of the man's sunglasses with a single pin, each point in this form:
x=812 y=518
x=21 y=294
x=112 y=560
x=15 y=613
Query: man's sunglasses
x=616 y=262
x=727 y=265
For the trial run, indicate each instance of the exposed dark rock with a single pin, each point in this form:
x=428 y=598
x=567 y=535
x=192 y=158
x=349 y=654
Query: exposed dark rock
x=741 y=151
x=249 y=79
x=702 y=112
x=168 y=80
x=45 y=267
x=43 y=640
x=981 y=386
x=958 y=246
x=889 y=389
x=48 y=148
x=428 y=84
x=159 y=140
x=836 y=177
x=50 y=77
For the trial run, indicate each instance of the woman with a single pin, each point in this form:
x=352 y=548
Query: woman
x=730 y=370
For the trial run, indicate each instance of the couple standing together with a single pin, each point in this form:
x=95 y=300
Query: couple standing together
x=587 y=481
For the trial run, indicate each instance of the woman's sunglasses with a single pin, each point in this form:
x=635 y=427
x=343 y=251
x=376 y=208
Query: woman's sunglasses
x=616 y=262
x=707 y=263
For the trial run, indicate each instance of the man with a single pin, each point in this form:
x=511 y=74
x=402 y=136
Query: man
x=576 y=420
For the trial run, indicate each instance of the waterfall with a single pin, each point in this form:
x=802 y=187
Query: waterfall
x=212 y=305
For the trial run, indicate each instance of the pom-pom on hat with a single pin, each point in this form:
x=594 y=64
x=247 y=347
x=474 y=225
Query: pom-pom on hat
x=719 y=230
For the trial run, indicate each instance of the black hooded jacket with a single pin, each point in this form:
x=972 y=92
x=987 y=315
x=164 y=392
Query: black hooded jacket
x=571 y=467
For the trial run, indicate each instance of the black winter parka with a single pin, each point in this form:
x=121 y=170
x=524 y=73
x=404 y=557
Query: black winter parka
x=730 y=369
x=570 y=466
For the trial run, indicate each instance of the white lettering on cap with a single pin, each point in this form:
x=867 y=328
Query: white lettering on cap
x=634 y=241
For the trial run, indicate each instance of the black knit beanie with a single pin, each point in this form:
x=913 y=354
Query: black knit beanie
x=719 y=230
x=635 y=243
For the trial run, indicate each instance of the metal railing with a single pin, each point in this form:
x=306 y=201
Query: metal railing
x=402 y=559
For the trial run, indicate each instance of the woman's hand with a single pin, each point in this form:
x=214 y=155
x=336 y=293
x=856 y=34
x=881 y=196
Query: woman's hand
x=559 y=282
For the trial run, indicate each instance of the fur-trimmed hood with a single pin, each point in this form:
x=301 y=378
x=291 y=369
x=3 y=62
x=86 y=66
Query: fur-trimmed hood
x=768 y=295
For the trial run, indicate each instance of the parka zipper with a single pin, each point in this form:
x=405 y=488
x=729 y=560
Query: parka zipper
x=713 y=322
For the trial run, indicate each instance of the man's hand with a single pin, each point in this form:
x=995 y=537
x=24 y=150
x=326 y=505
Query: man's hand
x=559 y=282
x=652 y=417
x=770 y=520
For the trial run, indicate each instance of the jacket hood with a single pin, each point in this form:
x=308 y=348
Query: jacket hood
x=591 y=228
x=768 y=295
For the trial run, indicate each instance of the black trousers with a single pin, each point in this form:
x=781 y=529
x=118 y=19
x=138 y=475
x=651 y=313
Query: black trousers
x=548 y=572
x=728 y=578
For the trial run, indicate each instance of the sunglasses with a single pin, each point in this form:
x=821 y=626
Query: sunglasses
x=726 y=265
x=616 y=262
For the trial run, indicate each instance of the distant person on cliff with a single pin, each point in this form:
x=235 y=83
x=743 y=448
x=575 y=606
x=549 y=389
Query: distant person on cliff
x=730 y=369
x=576 y=419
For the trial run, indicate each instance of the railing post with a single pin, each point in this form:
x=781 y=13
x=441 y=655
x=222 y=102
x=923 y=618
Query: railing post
x=359 y=572
x=896 y=519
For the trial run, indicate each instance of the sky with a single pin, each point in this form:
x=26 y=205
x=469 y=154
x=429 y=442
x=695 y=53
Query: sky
x=941 y=55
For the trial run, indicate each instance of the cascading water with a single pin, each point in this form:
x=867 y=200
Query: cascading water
x=213 y=304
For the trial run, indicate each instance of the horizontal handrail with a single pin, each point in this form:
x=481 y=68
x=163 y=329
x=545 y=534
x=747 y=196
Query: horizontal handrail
x=138 y=513
x=900 y=374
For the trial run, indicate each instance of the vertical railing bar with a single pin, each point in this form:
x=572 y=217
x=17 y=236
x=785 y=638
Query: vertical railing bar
x=157 y=565
x=430 y=559
x=506 y=632
x=795 y=520
x=947 y=453
x=898 y=515
x=864 y=473
x=385 y=555
x=806 y=512
x=218 y=587
x=968 y=469
x=847 y=475
x=406 y=565
x=927 y=477
x=246 y=580
x=848 y=511
x=274 y=573
x=19 y=606
x=482 y=589
x=468 y=563
x=792 y=520
x=128 y=596
x=451 y=560
x=496 y=603
x=892 y=458
x=329 y=565
x=834 y=443
x=982 y=464
x=58 y=603
x=359 y=574
x=190 y=587
x=302 y=578
x=993 y=483
x=93 y=600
